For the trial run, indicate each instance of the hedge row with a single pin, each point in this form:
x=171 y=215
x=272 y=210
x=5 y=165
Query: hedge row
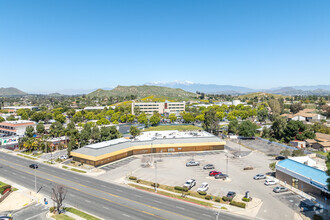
x=238 y=204
x=5 y=189
x=226 y=199
x=202 y=193
x=247 y=199
x=180 y=188
x=132 y=178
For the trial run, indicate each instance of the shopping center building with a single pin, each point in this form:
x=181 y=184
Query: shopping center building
x=306 y=178
x=147 y=143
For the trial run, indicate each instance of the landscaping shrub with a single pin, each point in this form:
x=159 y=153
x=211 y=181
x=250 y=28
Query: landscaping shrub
x=226 y=199
x=202 y=193
x=248 y=168
x=132 y=178
x=217 y=199
x=6 y=187
x=138 y=180
x=51 y=209
x=154 y=185
x=238 y=204
x=246 y=199
x=317 y=217
x=208 y=197
x=179 y=188
x=6 y=190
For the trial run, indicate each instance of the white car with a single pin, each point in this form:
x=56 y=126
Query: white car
x=190 y=183
x=259 y=177
x=64 y=157
x=203 y=188
x=192 y=163
x=269 y=182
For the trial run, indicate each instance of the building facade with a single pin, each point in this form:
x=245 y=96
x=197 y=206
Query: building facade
x=303 y=177
x=15 y=108
x=12 y=128
x=148 y=143
x=159 y=107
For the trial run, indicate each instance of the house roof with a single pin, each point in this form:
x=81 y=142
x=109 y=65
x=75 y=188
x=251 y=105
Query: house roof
x=304 y=170
x=325 y=144
x=322 y=137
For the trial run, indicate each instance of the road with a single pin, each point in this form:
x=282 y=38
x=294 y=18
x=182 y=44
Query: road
x=103 y=199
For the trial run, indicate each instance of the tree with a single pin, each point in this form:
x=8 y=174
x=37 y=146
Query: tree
x=272 y=166
x=286 y=153
x=247 y=129
x=130 y=118
x=58 y=196
x=95 y=134
x=265 y=132
x=56 y=129
x=77 y=117
x=155 y=119
x=298 y=153
x=275 y=106
x=278 y=127
x=40 y=128
x=233 y=127
x=142 y=118
x=188 y=117
x=123 y=118
x=262 y=114
x=134 y=131
x=292 y=129
x=29 y=131
x=103 y=121
x=296 y=107
x=172 y=117
x=211 y=121
x=60 y=118
x=109 y=133
x=221 y=115
x=2 y=119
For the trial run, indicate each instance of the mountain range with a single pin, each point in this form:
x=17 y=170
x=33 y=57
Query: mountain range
x=11 y=91
x=237 y=90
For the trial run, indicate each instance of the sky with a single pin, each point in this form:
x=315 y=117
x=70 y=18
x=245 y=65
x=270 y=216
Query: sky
x=48 y=45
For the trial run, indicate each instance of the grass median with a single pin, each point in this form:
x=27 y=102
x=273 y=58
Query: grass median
x=62 y=217
x=28 y=157
x=81 y=214
x=79 y=171
x=172 y=195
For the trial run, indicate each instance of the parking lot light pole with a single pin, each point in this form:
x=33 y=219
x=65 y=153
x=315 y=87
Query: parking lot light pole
x=227 y=164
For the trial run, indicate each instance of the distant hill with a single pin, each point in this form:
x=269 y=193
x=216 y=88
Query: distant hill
x=238 y=90
x=260 y=94
x=205 y=88
x=11 y=91
x=146 y=91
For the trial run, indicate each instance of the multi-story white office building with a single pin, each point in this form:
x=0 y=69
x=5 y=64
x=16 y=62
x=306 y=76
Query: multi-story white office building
x=160 y=107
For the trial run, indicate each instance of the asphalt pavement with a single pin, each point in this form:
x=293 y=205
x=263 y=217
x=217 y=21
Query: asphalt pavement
x=103 y=199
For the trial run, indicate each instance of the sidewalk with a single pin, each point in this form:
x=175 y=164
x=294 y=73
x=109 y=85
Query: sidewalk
x=249 y=211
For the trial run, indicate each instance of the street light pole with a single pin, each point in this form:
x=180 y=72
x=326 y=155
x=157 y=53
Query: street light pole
x=155 y=162
x=35 y=178
x=227 y=164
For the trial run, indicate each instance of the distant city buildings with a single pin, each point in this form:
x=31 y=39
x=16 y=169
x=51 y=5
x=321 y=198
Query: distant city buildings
x=159 y=107
x=15 y=108
x=9 y=128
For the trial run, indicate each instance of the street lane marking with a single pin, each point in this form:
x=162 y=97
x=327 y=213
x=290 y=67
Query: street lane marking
x=126 y=215
x=99 y=191
x=117 y=203
x=180 y=207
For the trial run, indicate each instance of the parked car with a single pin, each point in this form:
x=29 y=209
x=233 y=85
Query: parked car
x=231 y=194
x=64 y=157
x=203 y=188
x=190 y=183
x=279 y=189
x=269 y=182
x=34 y=166
x=213 y=173
x=309 y=205
x=259 y=177
x=192 y=163
x=221 y=176
x=208 y=166
x=280 y=158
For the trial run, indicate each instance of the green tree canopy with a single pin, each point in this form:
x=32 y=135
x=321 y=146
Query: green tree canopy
x=247 y=129
x=29 y=132
x=134 y=131
x=40 y=128
x=155 y=119
x=233 y=127
x=172 y=117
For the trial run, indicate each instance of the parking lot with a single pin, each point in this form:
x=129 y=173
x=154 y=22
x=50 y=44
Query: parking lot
x=172 y=170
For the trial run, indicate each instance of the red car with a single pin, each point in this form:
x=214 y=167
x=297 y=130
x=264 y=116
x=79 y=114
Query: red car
x=214 y=173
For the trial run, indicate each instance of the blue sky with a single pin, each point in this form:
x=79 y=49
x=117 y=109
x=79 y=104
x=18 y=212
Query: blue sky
x=50 y=45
